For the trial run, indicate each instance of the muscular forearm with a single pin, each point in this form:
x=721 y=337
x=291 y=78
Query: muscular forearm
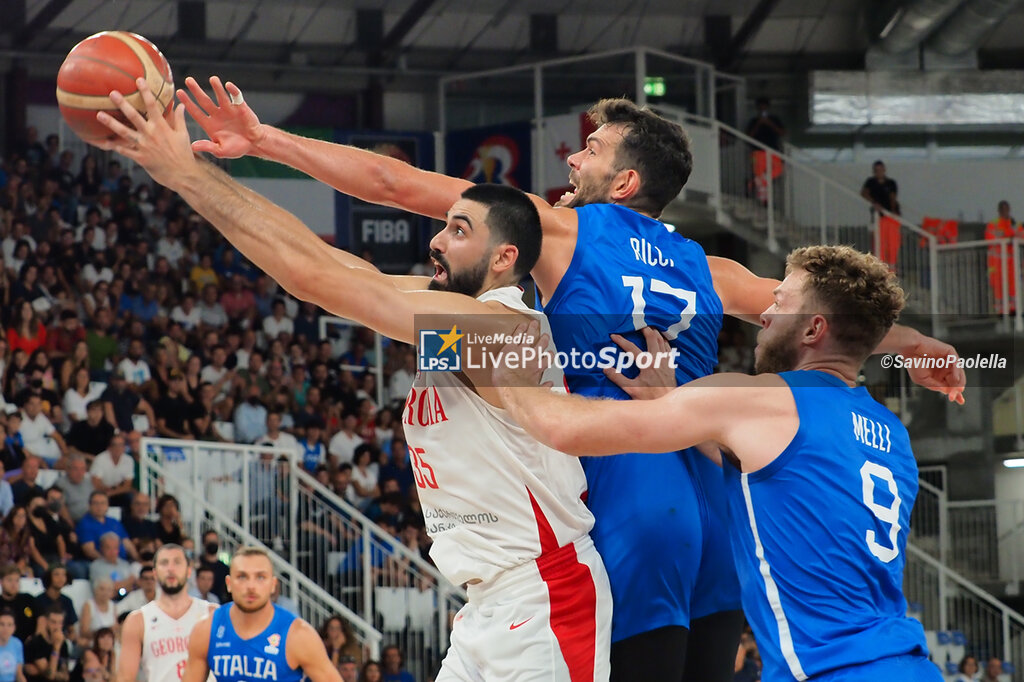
x=901 y=339
x=360 y=173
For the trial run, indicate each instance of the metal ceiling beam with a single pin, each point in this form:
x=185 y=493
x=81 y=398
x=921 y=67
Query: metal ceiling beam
x=40 y=21
x=747 y=31
x=405 y=24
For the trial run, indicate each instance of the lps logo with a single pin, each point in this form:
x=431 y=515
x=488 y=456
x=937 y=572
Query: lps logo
x=440 y=350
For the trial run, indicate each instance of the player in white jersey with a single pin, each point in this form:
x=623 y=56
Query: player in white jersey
x=506 y=513
x=156 y=636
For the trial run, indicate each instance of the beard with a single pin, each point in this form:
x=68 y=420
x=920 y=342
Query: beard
x=254 y=609
x=171 y=589
x=588 y=194
x=468 y=282
x=778 y=354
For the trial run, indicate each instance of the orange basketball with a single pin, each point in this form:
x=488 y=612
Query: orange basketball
x=110 y=60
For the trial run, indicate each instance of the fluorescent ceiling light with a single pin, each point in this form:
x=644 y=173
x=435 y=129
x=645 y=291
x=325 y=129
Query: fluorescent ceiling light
x=1016 y=463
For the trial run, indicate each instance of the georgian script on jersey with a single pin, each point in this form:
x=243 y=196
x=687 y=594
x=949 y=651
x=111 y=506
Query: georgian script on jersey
x=646 y=252
x=453 y=519
x=871 y=433
x=239 y=666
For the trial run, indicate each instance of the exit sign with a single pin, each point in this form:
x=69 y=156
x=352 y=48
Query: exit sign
x=654 y=86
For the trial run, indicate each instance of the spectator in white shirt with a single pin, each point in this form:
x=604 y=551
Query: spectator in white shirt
x=135 y=369
x=97 y=270
x=169 y=246
x=402 y=378
x=216 y=373
x=344 y=443
x=278 y=323
x=211 y=312
x=277 y=438
x=186 y=314
x=39 y=434
x=113 y=472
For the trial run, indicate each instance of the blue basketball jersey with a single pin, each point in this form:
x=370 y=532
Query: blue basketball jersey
x=629 y=272
x=233 y=659
x=820 y=536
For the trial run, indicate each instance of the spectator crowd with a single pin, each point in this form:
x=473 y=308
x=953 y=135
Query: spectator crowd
x=124 y=315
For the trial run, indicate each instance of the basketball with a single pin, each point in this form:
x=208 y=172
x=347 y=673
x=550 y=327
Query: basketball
x=110 y=60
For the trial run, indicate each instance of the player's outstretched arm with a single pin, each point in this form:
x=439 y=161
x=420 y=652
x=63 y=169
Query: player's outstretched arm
x=131 y=648
x=235 y=130
x=306 y=650
x=746 y=296
x=196 y=667
x=274 y=239
x=707 y=409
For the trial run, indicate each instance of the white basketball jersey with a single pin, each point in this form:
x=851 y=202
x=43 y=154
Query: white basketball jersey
x=492 y=496
x=165 y=640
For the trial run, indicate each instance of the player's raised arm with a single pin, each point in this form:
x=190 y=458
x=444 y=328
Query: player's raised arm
x=235 y=130
x=702 y=410
x=196 y=668
x=275 y=240
x=131 y=648
x=306 y=650
x=746 y=296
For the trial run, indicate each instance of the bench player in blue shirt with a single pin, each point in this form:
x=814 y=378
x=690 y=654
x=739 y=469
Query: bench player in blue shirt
x=253 y=640
x=820 y=478
x=631 y=168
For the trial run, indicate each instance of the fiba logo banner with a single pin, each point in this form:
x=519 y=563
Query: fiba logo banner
x=495 y=161
x=440 y=350
x=498 y=154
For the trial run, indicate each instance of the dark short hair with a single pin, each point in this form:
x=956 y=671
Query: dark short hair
x=656 y=148
x=169 y=547
x=204 y=569
x=145 y=569
x=513 y=219
x=877 y=163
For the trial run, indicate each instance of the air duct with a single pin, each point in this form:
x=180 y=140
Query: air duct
x=967 y=27
x=915 y=21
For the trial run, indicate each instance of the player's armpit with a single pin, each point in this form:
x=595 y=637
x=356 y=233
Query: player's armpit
x=196 y=668
x=306 y=651
x=743 y=294
x=131 y=648
x=560 y=227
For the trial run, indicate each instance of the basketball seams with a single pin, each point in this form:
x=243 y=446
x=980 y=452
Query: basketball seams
x=100 y=57
x=107 y=64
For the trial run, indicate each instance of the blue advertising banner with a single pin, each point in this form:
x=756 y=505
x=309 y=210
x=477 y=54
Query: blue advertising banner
x=394 y=239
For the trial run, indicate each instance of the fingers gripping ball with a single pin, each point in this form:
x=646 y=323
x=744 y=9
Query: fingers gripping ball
x=106 y=61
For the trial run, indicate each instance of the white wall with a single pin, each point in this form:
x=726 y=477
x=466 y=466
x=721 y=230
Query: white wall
x=1009 y=514
x=310 y=200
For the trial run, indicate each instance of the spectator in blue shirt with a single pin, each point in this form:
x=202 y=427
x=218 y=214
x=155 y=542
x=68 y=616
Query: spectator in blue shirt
x=251 y=417
x=392 y=664
x=93 y=525
x=12 y=655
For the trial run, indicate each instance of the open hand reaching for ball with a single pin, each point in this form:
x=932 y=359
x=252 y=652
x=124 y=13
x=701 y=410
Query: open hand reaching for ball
x=158 y=144
x=232 y=126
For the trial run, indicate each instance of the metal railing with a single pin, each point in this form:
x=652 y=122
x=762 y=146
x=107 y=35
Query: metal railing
x=379 y=581
x=315 y=604
x=987 y=538
x=950 y=602
x=981 y=279
x=790 y=203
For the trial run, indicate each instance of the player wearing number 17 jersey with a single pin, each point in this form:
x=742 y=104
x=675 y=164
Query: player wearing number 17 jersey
x=820 y=478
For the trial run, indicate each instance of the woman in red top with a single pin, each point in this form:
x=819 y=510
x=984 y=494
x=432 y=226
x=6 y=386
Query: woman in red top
x=26 y=332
